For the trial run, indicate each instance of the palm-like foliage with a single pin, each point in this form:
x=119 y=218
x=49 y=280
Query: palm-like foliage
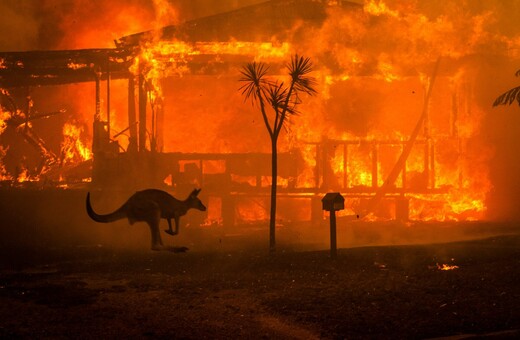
x=253 y=74
x=510 y=96
x=283 y=100
x=277 y=97
x=299 y=68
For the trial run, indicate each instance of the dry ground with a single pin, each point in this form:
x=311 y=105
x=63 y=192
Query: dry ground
x=368 y=292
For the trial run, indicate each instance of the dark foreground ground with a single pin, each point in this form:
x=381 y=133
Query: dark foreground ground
x=65 y=276
x=368 y=292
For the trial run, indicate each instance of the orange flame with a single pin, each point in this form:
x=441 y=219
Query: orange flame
x=446 y=267
x=73 y=150
x=372 y=90
x=378 y=7
x=4 y=176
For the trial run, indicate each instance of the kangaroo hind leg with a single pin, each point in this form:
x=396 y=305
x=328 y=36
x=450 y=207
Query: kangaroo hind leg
x=169 y=230
x=154 y=221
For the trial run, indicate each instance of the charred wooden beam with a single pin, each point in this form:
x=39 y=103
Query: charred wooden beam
x=39 y=68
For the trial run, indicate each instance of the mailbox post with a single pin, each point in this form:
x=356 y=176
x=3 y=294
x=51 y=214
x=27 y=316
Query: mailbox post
x=332 y=202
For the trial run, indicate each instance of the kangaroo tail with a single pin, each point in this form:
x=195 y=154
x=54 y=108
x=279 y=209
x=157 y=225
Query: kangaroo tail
x=116 y=215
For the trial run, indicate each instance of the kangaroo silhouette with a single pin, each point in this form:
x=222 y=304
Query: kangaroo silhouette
x=150 y=206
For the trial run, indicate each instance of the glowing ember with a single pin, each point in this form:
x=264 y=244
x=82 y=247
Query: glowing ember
x=76 y=66
x=446 y=267
x=4 y=176
x=25 y=176
x=3 y=120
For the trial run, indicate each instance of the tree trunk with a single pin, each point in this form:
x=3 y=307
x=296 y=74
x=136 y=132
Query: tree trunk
x=274 y=182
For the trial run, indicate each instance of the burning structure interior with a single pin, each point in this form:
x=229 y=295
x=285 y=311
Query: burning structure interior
x=395 y=127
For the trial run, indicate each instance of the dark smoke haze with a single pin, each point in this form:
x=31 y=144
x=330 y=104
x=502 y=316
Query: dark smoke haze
x=70 y=24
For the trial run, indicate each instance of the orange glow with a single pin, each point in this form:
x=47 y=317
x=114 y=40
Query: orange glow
x=73 y=149
x=214 y=217
x=4 y=176
x=25 y=176
x=373 y=68
x=446 y=267
x=4 y=115
x=162 y=59
x=252 y=210
x=75 y=66
x=378 y=7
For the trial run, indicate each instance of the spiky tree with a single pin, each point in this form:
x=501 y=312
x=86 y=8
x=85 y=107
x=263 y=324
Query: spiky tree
x=282 y=99
x=510 y=96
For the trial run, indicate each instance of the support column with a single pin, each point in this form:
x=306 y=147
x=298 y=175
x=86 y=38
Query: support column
x=403 y=171
x=132 y=119
x=142 y=113
x=374 y=165
x=108 y=97
x=97 y=125
x=427 y=162
x=345 y=166
x=159 y=125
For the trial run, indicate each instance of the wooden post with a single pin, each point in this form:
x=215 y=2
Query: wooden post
x=403 y=173
x=333 y=247
x=345 y=166
x=142 y=113
x=97 y=114
x=132 y=119
x=108 y=96
x=159 y=124
x=96 y=133
x=374 y=165
x=333 y=201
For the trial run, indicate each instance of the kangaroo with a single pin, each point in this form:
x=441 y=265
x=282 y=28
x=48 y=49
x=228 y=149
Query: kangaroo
x=150 y=206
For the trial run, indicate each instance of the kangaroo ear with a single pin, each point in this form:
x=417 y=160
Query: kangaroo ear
x=195 y=192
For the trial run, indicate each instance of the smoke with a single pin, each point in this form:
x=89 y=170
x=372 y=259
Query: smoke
x=18 y=24
x=78 y=24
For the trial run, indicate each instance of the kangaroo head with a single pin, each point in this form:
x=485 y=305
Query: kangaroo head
x=194 y=202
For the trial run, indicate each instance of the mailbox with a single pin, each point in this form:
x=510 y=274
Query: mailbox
x=333 y=201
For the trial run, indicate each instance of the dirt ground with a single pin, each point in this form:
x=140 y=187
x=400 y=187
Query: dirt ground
x=64 y=276
x=368 y=292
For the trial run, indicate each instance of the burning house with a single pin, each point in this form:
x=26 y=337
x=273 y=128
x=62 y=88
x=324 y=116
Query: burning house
x=395 y=128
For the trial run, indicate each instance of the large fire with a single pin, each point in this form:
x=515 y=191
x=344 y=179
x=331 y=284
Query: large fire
x=374 y=66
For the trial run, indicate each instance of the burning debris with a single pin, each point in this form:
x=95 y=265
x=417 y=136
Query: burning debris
x=17 y=130
x=446 y=267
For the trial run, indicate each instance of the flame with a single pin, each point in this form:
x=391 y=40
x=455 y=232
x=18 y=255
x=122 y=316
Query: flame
x=378 y=7
x=446 y=267
x=4 y=176
x=168 y=180
x=73 y=149
x=387 y=70
x=373 y=78
x=4 y=115
x=76 y=66
x=162 y=59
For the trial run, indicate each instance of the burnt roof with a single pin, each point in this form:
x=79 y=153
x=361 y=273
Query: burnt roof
x=261 y=22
